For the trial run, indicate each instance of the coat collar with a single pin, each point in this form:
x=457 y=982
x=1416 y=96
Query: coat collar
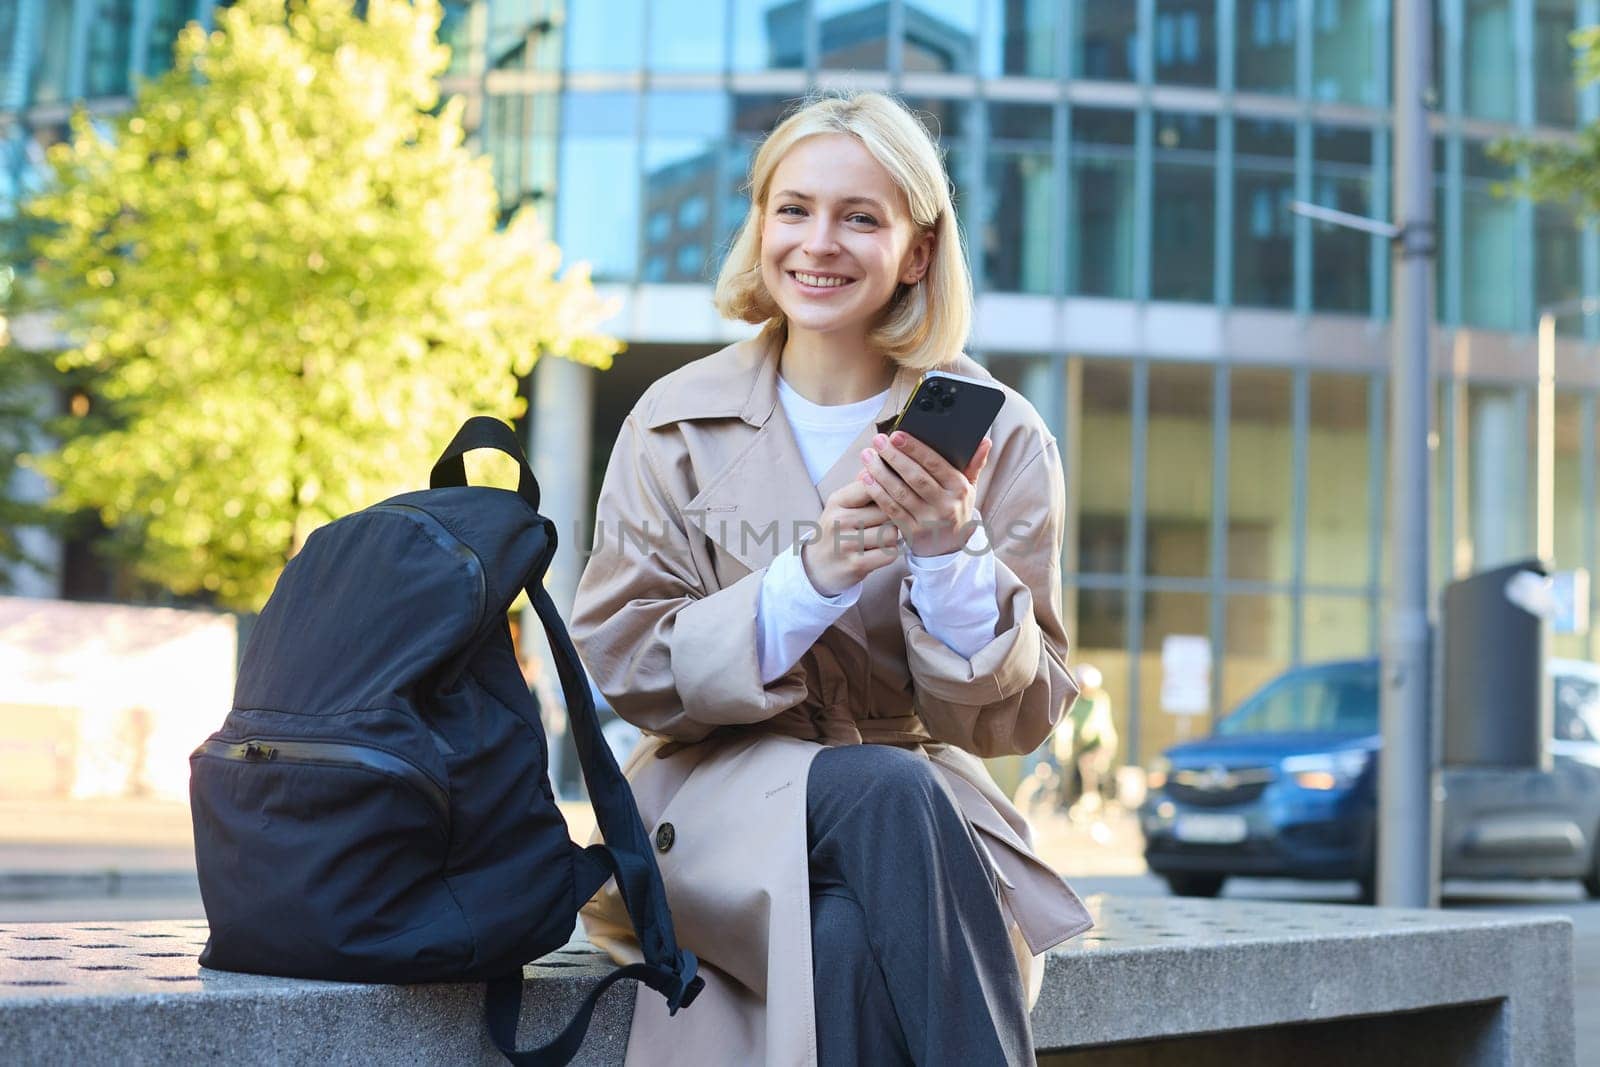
x=762 y=497
x=741 y=381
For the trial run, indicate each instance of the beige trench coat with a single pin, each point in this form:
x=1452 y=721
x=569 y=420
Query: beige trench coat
x=705 y=487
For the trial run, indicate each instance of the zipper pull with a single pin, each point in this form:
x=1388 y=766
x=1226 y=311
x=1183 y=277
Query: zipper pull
x=256 y=752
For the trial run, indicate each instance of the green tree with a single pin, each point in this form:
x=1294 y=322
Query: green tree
x=24 y=398
x=1559 y=171
x=284 y=273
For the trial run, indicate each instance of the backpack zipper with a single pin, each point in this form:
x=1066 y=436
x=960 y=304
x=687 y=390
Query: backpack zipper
x=334 y=754
x=450 y=543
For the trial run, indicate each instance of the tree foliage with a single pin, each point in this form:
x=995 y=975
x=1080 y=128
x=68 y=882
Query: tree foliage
x=283 y=271
x=1562 y=171
x=24 y=400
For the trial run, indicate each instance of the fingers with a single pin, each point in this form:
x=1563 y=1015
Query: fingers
x=979 y=459
x=910 y=473
x=862 y=518
x=852 y=494
x=934 y=466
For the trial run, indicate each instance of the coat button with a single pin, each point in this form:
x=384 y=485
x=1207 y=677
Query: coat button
x=665 y=836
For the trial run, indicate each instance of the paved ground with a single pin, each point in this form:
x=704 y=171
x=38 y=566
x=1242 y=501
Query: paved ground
x=80 y=860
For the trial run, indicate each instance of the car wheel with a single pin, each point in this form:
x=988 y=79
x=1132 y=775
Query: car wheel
x=1367 y=890
x=1195 y=885
x=1591 y=881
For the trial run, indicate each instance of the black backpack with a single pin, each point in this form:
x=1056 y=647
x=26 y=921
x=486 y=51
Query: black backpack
x=376 y=806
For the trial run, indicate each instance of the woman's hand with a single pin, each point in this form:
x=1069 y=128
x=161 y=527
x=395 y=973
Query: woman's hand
x=928 y=499
x=856 y=539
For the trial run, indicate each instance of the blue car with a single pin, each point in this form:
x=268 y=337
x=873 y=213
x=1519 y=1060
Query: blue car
x=1286 y=787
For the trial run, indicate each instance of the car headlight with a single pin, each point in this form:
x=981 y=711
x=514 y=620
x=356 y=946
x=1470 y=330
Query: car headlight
x=1327 y=770
x=1155 y=776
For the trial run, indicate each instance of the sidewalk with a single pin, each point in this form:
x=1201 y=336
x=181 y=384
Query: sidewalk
x=58 y=854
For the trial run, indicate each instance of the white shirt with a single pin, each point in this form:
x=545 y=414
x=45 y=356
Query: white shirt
x=954 y=593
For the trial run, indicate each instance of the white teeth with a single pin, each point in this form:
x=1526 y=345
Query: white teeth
x=817 y=281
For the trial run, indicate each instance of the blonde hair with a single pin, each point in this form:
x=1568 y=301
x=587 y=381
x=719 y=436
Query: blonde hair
x=925 y=325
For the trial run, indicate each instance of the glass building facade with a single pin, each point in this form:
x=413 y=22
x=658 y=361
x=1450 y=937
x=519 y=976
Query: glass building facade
x=1214 y=364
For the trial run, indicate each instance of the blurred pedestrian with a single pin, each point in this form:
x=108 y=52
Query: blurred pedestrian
x=1088 y=750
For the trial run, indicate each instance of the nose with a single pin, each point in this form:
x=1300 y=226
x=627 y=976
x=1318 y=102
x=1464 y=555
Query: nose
x=820 y=239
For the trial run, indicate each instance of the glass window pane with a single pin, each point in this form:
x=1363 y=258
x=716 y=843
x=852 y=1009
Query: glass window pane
x=1488 y=66
x=168 y=17
x=1337 y=699
x=520 y=37
x=1178 y=471
x=1108 y=41
x=768 y=35
x=1571 y=515
x=1490 y=251
x=1101 y=260
x=519 y=130
x=1186 y=42
x=1255 y=645
x=1577 y=707
x=1335 y=627
x=854 y=34
x=603 y=36
x=600 y=165
x=1020 y=38
x=1338 y=508
x=1264 y=36
x=1183 y=211
x=687 y=35
x=948 y=121
x=1105 y=469
x=1557 y=270
x=1556 y=97
x=1341 y=50
x=110 y=37
x=941 y=35
x=1500 y=451
x=51 y=72
x=1101 y=640
x=1341 y=258
x=1168 y=615
x=1020 y=230
x=1263 y=226
x=683 y=153
x=1260 y=474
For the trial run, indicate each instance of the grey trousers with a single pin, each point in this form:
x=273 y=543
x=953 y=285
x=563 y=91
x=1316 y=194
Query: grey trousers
x=911 y=959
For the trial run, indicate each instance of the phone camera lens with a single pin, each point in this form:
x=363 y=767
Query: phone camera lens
x=927 y=405
x=946 y=400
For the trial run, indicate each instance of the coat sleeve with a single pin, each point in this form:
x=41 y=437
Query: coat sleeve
x=674 y=657
x=1009 y=695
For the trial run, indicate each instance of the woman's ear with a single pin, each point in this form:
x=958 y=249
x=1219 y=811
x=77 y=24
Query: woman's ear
x=918 y=257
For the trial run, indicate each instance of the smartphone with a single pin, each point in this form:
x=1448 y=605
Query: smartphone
x=950 y=413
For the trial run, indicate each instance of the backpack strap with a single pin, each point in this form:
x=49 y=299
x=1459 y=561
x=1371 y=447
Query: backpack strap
x=627 y=845
x=626 y=855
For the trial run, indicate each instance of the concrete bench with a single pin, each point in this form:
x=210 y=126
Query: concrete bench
x=1158 y=981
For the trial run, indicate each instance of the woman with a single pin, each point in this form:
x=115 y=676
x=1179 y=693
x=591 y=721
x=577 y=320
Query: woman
x=799 y=613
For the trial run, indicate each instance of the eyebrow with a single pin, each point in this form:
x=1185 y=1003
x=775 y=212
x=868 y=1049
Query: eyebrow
x=867 y=200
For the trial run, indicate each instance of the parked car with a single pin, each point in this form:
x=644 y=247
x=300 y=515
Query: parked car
x=1286 y=787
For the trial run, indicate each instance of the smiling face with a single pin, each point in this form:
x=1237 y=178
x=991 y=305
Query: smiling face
x=837 y=237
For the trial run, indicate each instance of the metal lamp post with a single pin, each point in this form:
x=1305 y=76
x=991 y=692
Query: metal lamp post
x=1407 y=868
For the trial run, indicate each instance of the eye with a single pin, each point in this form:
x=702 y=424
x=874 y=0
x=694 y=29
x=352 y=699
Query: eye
x=791 y=210
x=862 y=219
